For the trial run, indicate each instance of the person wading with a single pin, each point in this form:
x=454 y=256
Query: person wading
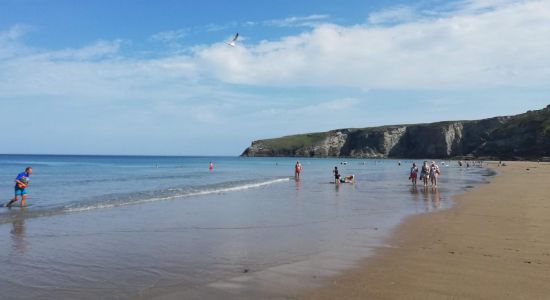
x=21 y=185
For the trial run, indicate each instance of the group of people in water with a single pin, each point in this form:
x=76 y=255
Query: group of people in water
x=337 y=177
x=428 y=172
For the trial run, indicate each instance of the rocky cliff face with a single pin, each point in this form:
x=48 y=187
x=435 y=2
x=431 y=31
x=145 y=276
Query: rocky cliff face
x=522 y=136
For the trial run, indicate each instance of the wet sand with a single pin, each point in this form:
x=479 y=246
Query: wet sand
x=493 y=244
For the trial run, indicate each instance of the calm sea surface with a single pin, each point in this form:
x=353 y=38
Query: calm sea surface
x=112 y=227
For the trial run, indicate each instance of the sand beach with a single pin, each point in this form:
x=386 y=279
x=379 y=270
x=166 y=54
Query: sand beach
x=493 y=244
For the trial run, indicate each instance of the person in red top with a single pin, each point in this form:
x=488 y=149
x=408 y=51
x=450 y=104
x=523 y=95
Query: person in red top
x=211 y=166
x=297 y=170
x=413 y=174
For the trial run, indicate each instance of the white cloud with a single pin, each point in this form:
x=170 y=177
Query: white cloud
x=170 y=36
x=10 y=45
x=472 y=6
x=298 y=21
x=393 y=15
x=322 y=107
x=214 y=92
x=506 y=46
x=14 y=32
x=97 y=50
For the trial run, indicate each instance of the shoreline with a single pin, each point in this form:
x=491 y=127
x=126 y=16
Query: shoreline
x=492 y=244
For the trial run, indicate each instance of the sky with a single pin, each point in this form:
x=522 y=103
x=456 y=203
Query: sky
x=143 y=77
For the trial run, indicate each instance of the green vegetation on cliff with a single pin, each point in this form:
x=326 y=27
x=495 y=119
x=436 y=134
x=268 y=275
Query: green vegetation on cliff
x=522 y=136
x=295 y=141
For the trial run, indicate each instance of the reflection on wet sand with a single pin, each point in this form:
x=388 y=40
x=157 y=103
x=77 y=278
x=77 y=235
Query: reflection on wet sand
x=19 y=244
x=414 y=193
x=432 y=198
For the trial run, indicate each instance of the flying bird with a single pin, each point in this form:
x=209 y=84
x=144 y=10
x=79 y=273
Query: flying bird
x=233 y=41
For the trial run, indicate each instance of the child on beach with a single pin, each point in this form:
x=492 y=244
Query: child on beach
x=413 y=174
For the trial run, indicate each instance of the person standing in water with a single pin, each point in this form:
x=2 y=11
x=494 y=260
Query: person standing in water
x=434 y=173
x=21 y=185
x=425 y=173
x=211 y=166
x=336 y=175
x=297 y=170
x=413 y=174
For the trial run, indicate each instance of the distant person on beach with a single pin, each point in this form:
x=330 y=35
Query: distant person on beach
x=434 y=173
x=336 y=175
x=21 y=185
x=425 y=173
x=413 y=174
x=297 y=170
x=211 y=166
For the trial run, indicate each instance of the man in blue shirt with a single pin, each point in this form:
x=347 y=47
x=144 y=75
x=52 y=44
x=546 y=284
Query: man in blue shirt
x=21 y=184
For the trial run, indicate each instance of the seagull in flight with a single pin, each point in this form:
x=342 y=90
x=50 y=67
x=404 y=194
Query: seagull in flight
x=233 y=41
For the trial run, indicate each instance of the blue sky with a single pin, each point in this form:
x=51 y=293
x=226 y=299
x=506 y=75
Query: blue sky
x=154 y=77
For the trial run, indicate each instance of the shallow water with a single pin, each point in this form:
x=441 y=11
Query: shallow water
x=130 y=227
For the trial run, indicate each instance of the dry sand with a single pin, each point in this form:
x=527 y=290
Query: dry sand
x=493 y=244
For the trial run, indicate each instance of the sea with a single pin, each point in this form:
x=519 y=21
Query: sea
x=167 y=227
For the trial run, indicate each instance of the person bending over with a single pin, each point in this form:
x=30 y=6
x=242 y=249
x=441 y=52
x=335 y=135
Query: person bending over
x=21 y=185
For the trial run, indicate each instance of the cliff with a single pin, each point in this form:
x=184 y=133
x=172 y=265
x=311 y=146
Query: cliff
x=524 y=136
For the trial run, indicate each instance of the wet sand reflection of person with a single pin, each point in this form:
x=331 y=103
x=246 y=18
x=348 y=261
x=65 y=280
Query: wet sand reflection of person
x=426 y=198
x=298 y=184
x=415 y=195
x=414 y=192
x=19 y=244
x=432 y=198
x=436 y=198
x=337 y=187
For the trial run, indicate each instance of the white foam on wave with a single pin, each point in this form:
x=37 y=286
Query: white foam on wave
x=192 y=194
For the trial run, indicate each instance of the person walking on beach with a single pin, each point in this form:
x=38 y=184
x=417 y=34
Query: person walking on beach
x=425 y=173
x=413 y=174
x=297 y=170
x=21 y=185
x=434 y=173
